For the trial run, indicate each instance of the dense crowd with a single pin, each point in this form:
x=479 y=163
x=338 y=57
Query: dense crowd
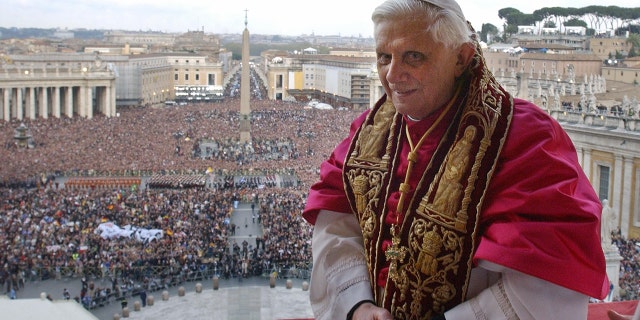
x=629 y=267
x=49 y=231
x=52 y=233
x=145 y=139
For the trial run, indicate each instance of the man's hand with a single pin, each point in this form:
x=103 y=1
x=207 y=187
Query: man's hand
x=369 y=311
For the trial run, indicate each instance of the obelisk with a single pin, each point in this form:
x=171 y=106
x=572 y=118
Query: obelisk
x=245 y=81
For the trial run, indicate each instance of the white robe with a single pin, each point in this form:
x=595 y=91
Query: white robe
x=340 y=280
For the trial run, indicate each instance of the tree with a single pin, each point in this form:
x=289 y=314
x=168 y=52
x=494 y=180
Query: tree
x=515 y=18
x=619 y=55
x=488 y=31
x=634 y=40
x=574 y=22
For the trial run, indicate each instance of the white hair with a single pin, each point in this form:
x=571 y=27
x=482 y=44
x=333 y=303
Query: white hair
x=446 y=27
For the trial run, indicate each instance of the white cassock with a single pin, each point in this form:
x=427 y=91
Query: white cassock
x=340 y=279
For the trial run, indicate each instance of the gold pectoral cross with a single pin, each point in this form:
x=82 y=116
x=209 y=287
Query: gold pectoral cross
x=395 y=253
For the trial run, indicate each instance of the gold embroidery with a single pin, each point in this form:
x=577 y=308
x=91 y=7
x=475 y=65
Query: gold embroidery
x=431 y=247
x=450 y=187
x=361 y=189
x=376 y=134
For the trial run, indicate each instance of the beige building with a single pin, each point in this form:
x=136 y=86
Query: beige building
x=195 y=77
x=83 y=84
x=341 y=81
x=349 y=52
x=502 y=62
x=626 y=72
x=154 y=78
x=140 y=38
x=195 y=70
x=606 y=48
x=546 y=65
x=42 y=89
x=609 y=151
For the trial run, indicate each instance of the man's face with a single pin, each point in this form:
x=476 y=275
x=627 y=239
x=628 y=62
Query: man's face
x=417 y=73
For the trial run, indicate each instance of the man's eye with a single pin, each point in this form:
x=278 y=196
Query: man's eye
x=384 y=59
x=414 y=57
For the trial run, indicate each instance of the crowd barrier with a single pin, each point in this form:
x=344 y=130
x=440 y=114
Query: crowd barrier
x=113 y=285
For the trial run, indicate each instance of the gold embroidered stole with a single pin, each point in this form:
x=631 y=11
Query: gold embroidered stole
x=430 y=269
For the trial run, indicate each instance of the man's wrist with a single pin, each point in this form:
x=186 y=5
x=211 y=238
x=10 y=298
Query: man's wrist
x=350 y=314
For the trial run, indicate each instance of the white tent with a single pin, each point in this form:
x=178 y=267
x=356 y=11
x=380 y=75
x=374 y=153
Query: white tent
x=323 y=106
x=43 y=309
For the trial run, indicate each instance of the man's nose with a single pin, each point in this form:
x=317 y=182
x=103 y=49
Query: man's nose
x=396 y=71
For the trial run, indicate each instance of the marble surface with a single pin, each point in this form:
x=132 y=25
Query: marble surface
x=250 y=302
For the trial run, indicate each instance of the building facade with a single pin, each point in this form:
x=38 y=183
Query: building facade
x=627 y=71
x=341 y=81
x=608 y=149
x=51 y=89
x=134 y=80
x=606 y=48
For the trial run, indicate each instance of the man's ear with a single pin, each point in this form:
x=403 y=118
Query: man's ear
x=465 y=54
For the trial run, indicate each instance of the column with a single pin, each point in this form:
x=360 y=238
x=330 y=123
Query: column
x=44 y=103
x=31 y=103
x=587 y=166
x=19 y=104
x=625 y=210
x=108 y=107
x=7 y=103
x=82 y=95
x=69 y=102
x=617 y=184
x=101 y=100
x=579 y=155
x=88 y=102
x=2 y=105
x=55 y=97
x=112 y=99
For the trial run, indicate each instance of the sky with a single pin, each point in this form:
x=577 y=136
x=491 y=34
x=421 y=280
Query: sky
x=284 y=17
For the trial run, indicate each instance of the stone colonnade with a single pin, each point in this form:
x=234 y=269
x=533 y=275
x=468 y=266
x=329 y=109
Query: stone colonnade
x=52 y=92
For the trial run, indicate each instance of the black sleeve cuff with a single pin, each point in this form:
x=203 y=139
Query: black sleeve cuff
x=438 y=317
x=350 y=314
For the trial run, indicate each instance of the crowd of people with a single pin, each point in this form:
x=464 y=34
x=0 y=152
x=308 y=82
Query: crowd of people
x=145 y=139
x=49 y=230
x=629 y=266
x=54 y=233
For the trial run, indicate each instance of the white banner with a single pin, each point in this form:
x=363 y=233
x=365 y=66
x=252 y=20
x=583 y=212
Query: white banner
x=109 y=230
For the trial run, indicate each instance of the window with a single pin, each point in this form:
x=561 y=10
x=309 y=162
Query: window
x=603 y=186
x=197 y=76
x=175 y=77
x=186 y=77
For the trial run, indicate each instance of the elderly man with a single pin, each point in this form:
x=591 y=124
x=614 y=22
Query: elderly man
x=450 y=199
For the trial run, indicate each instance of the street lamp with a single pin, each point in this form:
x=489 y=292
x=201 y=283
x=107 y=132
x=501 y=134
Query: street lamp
x=309 y=135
